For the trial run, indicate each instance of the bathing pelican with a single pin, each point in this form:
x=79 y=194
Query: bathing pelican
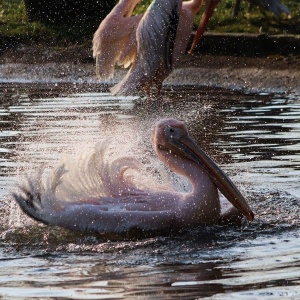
x=122 y=205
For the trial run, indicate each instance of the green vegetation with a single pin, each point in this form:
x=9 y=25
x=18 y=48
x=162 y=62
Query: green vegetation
x=255 y=20
x=14 y=24
x=248 y=21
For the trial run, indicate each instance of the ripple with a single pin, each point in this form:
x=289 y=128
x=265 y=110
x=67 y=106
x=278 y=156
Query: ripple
x=254 y=137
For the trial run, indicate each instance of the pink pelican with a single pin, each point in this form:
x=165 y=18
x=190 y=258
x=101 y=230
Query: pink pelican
x=155 y=35
x=153 y=42
x=122 y=206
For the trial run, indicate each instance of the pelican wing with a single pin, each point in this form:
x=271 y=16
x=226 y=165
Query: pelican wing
x=92 y=217
x=103 y=215
x=109 y=44
x=155 y=36
x=113 y=37
x=94 y=193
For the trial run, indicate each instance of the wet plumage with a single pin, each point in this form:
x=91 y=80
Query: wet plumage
x=105 y=196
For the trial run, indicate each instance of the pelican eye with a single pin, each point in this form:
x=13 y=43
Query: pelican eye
x=171 y=133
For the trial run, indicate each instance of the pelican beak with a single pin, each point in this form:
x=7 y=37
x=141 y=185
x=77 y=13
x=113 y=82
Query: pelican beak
x=187 y=147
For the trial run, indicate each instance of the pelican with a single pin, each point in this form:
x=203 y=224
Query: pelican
x=274 y=6
x=155 y=35
x=152 y=43
x=149 y=34
x=122 y=206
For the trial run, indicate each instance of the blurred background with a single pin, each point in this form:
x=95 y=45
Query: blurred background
x=57 y=22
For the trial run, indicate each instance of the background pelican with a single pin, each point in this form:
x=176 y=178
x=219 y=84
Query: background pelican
x=155 y=35
x=152 y=42
x=104 y=199
x=154 y=31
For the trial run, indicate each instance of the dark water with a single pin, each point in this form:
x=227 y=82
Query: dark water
x=256 y=139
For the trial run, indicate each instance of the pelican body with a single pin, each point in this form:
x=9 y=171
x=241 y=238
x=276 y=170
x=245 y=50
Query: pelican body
x=152 y=42
x=122 y=206
x=155 y=35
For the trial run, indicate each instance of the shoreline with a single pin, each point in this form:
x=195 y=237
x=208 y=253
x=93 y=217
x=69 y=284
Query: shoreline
x=279 y=73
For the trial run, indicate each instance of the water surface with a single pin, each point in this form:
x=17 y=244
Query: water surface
x=254 y=137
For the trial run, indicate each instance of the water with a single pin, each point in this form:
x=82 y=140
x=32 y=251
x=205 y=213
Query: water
x=254 y=137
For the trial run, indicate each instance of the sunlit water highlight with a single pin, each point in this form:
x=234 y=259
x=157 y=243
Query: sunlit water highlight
x=254 y=137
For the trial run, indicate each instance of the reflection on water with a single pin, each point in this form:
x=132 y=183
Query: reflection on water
x=254 y=137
